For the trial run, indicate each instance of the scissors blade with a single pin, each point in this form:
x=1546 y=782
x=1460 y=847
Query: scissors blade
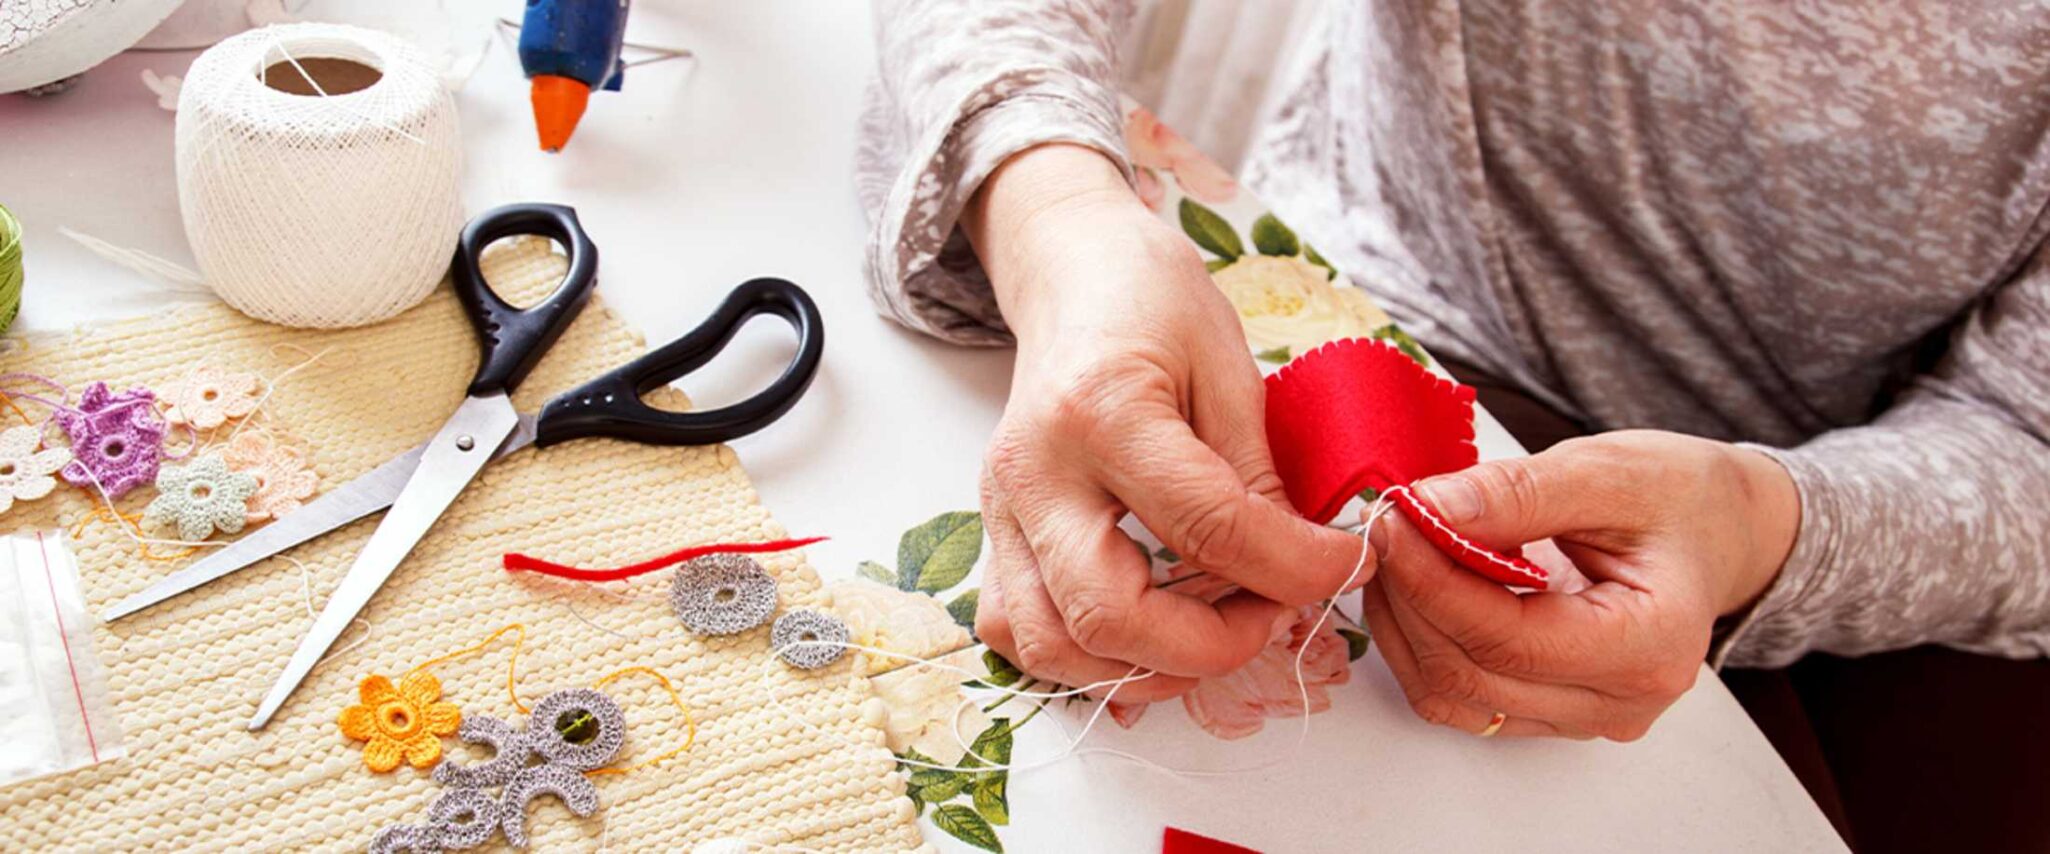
x=367 y=494
x=449 y=462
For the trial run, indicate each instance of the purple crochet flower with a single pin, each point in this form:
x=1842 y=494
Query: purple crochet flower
x=116 y=439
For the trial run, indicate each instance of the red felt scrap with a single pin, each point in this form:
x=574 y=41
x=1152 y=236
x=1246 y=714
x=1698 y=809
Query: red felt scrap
x=516 y=562
x=1358 y=414
x=1178 y=841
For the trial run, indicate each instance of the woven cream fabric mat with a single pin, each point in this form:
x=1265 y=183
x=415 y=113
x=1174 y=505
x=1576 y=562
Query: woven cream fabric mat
x=186 y=676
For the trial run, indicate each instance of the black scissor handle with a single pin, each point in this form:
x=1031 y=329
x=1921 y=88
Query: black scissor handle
x=513 y=339
x=611 y=404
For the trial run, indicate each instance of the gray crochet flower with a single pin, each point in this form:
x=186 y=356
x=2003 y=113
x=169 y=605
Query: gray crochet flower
x=201 y=496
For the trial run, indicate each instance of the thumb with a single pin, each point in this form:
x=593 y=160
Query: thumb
x=1569 y=490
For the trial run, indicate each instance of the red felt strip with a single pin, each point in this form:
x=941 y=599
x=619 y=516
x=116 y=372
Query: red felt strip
x=515 y=562
x=1507 y=567
x=1359 y=414
x=1178 y=841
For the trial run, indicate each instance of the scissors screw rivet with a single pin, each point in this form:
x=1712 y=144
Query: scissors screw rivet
x=464 y=443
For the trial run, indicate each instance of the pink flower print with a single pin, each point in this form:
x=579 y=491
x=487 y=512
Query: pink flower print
x=1155 y=146
x=116 y=439
x=283 y=482
x=1147 y=182
x=1237 y=705
x=209 y=396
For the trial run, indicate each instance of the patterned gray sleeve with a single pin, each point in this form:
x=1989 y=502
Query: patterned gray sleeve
x=1928 y=525
x=962 y=86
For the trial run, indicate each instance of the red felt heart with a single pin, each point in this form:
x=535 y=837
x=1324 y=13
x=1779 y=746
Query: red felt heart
x=1357 y=414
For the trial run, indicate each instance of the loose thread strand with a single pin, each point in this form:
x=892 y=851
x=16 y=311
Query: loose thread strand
x=516 y=562
x=511 y=667
x=690 y=723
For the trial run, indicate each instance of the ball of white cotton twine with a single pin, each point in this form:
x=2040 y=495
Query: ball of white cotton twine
x=318 y=210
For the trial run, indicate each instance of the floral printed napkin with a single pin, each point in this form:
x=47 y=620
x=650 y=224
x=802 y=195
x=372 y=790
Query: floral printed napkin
x=1289 y=300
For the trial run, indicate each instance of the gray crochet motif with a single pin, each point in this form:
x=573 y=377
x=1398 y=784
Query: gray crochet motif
x=466 y=818
x=467 y=815
x=572 y=787
x=722 y=594
x=407 y=839
x=511 y=748
x=809 y=639
x=509 y=754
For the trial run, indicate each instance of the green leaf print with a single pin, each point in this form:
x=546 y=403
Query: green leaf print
x=939 y=553
x=1210 y=231
x=1273 y=238
x=877 y=573
x=963 y=823
x=962 y=609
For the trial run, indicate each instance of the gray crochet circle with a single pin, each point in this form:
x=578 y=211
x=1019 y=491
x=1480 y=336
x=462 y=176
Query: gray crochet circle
x=466 y=818
x=543 y=738
x=809 y=639
x=722 y=594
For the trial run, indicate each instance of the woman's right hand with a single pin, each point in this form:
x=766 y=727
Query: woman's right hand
x=1133 y=390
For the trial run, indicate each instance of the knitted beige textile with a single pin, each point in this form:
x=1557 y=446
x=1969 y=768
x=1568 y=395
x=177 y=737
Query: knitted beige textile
x=186 y=676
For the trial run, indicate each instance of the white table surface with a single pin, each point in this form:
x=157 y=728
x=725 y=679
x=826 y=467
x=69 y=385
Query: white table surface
x=700 y=175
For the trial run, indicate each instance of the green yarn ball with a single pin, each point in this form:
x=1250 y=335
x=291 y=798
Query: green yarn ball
x=10 y=268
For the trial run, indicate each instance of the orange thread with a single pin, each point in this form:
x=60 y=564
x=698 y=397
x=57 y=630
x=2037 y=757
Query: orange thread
x=511 y=675
x=103 y=513
x=17 y=409
x=511 y=666
x=690 y=723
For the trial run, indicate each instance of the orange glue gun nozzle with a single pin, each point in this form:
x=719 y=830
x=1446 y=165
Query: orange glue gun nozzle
x=558 y=105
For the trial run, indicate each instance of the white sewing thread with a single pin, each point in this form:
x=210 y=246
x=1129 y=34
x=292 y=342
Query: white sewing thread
x=1074 y=747
x=327 y=210
x=1472 y=547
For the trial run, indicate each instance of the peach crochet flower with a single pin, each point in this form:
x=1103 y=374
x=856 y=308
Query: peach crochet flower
x=405 y=723
x=282 y=479
x=209 y=396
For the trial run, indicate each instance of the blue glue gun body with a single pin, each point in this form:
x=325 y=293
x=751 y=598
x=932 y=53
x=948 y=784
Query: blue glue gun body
x=579 y=39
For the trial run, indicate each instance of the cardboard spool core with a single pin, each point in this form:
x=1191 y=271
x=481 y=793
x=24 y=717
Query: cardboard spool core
x=336 y=76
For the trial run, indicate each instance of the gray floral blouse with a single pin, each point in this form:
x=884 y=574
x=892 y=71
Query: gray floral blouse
x=1818 y=228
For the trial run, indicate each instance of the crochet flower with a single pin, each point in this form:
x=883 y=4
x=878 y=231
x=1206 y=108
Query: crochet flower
x=201 y=496
x=282 y=480
x=116 y=439
x=209 y=396
x=403 y=723
x=24 y=470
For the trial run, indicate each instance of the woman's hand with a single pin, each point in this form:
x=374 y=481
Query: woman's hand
x=1671 y=530
x=1133 y=391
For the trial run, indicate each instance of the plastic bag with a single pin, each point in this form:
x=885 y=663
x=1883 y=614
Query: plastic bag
x=54 y=711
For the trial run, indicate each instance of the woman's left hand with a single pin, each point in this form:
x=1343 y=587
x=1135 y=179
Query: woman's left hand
x=1671 y=531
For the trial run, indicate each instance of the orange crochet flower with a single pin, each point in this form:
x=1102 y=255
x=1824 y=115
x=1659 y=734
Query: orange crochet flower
x=405 y=723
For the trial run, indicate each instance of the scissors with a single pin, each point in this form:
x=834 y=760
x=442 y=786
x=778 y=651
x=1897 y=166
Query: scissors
x=420 y=484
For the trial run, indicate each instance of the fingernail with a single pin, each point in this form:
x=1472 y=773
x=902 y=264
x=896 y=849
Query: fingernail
x=1454 y=497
